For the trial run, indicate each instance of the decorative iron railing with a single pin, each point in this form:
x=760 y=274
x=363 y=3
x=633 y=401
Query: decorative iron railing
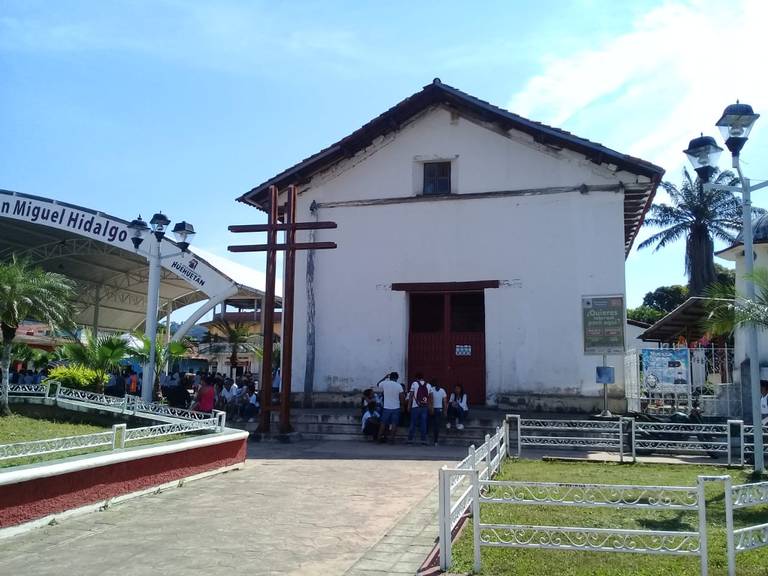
x=53 y=445
x=176 y=421
x=464 y=488
x=630 y=437
x=26 y=390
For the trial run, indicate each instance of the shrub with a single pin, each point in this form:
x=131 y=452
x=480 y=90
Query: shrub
x=75 y=376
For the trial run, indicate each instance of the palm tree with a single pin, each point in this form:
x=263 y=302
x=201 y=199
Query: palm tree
x=168 y=353
x=29 y=292
x=235 y=337
x=701 y=216
x=728 y=310
x=21 y=353
x=101 y=354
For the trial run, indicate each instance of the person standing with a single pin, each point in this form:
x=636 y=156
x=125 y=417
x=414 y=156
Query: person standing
x=439 y=407
x=419 y=399
x=764 y=401
x=390 y=413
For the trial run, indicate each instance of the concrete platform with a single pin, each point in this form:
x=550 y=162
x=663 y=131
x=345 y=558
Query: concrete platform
x=310 y=508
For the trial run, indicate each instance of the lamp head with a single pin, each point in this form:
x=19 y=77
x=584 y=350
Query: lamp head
x=159 y=223
x=138 y=228
x=735 y=125
x=183 y=231
x=703 y=153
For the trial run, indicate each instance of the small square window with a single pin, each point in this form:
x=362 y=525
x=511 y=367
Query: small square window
x=437 y=178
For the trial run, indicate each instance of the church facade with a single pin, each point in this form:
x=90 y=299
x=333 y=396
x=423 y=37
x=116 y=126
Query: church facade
x=467 y=237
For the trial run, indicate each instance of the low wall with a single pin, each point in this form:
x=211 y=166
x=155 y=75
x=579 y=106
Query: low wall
x=29 y=493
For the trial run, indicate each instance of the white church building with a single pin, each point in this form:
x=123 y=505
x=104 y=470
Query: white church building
x=467 y=237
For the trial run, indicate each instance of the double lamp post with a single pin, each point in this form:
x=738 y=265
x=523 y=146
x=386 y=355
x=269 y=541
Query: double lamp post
x=703 y=152
x=154 y=234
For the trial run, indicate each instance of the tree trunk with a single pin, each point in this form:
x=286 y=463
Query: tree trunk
x=8 y=335
x=700 y=262
x=233 y=362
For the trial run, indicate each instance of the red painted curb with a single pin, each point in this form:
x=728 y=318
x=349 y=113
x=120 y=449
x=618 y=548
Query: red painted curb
x=32 y=499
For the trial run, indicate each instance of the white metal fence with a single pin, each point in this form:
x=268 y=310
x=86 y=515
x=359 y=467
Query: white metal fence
x=628 y=437
x=468 y=485
x=751 y=537
x=178 y=421
x=707 y=377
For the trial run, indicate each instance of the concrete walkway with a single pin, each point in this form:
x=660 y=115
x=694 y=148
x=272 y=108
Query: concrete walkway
x=303 y=509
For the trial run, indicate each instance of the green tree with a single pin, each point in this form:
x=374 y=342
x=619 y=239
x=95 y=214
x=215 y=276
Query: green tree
x=29 y=292
x=725 y=275
x=644 y=314
x=666 y=298
x=232 y=337
x=21 y=353
x=165 y=353
x=101 y=354
x=728 y=310
x=700 y=216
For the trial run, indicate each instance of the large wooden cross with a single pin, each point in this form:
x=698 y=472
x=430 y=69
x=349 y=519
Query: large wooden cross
x=289 y=226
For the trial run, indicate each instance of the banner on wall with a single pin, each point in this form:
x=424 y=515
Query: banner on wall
x=666 y=369
x=603 y=324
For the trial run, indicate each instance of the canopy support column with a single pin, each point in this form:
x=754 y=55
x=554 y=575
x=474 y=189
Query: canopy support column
x=203 y=310
x=96 y=304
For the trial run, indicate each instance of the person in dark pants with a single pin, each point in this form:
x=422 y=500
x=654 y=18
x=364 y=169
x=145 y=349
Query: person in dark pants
x=458 y=406
x=439 y=408
x=371 y=421
x=419 y=401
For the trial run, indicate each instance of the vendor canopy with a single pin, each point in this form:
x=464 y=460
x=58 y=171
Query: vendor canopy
x=95 y=250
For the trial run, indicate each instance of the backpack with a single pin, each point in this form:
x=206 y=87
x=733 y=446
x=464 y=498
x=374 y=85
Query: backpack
x=422 y=394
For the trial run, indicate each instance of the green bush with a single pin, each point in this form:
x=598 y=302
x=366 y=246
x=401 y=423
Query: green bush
x=75 y=376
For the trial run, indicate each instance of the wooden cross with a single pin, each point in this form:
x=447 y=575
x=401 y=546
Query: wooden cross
x=289 y=226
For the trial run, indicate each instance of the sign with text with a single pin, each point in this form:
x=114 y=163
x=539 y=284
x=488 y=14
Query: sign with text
x=603 y=324
x=109 y=230
x=666 y=369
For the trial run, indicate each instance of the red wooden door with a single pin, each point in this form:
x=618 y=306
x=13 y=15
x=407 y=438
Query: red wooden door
x=446 y=340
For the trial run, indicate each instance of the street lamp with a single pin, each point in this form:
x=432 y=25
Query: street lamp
x=183 y=231
x=735 y=125
x=703 y=154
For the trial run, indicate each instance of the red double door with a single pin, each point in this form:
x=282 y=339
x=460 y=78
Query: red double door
x=446 y=340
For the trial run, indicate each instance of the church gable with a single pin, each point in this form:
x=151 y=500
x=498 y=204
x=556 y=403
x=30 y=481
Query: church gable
x=442 y=144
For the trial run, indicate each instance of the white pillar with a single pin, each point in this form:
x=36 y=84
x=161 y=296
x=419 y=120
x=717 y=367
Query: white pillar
x=153 y=296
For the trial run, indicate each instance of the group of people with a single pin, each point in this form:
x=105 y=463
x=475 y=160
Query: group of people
x=26 y=376
x=204 y=391
x=423 y=404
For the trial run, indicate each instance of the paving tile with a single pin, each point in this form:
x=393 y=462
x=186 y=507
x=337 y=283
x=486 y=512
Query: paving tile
x=294 y=510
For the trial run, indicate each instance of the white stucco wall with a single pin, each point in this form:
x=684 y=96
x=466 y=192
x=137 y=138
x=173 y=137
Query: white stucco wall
x=547 y=250
x=632 y=339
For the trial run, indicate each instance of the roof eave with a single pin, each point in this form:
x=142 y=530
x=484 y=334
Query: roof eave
x=437 y=92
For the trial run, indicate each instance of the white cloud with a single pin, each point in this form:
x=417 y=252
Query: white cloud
x=649 y=91
x=221 y=35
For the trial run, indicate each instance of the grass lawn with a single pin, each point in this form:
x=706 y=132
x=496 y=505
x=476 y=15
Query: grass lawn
x=513 y=561
x=20 y=428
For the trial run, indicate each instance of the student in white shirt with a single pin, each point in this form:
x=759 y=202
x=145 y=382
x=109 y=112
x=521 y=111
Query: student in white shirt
x=371 y=421
x=458 y=406
x=439 y=408
x=392 y=391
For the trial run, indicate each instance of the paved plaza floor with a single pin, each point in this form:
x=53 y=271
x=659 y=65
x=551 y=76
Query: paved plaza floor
x=308 y=508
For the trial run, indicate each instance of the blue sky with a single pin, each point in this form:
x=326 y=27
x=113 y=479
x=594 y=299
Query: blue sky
x=181 y=106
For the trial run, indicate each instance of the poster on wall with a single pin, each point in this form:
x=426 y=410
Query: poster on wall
x=666 y=369
x=603 y=324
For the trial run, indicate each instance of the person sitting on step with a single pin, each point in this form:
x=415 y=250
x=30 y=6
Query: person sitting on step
x=458 y=406
x=371 y=421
